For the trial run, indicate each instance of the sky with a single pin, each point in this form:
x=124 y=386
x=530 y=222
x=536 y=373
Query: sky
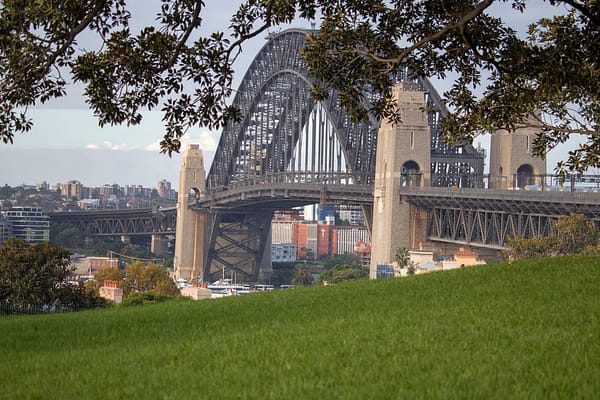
x=131 y=155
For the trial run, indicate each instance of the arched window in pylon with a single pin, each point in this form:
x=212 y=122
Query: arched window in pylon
x=524 y=176
x=411 y=174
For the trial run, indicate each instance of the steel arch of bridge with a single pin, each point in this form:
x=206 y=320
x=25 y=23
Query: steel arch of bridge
x=275 y=102
x=283 y=132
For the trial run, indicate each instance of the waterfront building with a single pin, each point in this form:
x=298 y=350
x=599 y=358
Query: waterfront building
x=314 y=241
x=363 y=251
x=86 y=204
x=29 y=223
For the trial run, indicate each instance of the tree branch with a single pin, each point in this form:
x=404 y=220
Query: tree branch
x=459 y=25
x=70 y=37
x=182 y=41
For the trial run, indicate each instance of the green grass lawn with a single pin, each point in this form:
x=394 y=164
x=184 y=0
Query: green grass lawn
x=530 y=330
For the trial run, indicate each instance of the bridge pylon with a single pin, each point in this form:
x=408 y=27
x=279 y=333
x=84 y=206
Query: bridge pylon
x=192 y=226
x=403 y=159
x=512 y=164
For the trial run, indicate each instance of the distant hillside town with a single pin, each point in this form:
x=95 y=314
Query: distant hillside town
x=73 y=195
x=24 y=209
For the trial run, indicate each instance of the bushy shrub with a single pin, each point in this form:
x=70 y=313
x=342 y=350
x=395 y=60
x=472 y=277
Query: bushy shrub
x=142 y=298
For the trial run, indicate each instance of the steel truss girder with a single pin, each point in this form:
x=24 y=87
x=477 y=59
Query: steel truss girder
x=119 y=223
x=485 y=228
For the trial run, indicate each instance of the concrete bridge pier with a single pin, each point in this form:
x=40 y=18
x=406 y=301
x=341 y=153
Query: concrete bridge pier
x=192 y=226
x=88 y=241
x=403 y=159
x=159 y=245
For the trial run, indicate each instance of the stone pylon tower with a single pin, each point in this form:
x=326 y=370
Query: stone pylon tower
x=191 y=231
x=403 y=159
x=512 y=163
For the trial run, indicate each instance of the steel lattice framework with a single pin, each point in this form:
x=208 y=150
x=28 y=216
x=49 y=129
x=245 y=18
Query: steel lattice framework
x=486 y=217
x=142 y=221
x=274 y=99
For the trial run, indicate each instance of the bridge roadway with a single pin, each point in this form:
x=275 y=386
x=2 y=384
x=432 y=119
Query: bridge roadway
x=478 y=217
x=287 y=190
x=510 y=201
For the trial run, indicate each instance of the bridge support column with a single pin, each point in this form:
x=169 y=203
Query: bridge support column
x=403 y=159
x=88 y=241
x=266 y=262
x=159 y=245
x=191 y=231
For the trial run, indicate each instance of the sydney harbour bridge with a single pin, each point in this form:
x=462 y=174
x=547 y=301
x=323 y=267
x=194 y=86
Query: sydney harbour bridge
x=289 y=151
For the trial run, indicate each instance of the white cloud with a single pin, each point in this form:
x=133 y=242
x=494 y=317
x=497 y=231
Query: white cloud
x=153 y=147
x=207 y=140
x=108 y=145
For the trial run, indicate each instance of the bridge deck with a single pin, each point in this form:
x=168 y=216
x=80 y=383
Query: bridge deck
x=515 y=201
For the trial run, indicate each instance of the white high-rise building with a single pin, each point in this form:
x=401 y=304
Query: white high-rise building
x=281 y=231
x=29 y=223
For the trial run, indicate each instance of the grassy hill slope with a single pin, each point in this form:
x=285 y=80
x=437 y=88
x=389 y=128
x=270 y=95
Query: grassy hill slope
x=530 y=330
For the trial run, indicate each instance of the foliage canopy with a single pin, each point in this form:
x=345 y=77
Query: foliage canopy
x=39 y=274
x=340 y=273
x=572 y=234
x=540 y=80
x=302 y=275
x=151 y=277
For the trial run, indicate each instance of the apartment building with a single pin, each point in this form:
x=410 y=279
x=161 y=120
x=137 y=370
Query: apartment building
x=29 y=223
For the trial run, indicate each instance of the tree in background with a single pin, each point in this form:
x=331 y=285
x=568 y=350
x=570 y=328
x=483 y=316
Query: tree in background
x=302 y=275
x=341 y=273
x=283 y=273
x=572 y=234
x=151 y=277
x=575 y=234
x=65 y=235
x=542 y=80
x=39 y=274
x=342 y=259
x=107 y=274
x=402 y=258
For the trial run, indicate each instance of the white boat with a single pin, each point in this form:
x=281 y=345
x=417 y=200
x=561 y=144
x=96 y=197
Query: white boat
x=264 y=288
x=182 y=283
x=224 y=287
